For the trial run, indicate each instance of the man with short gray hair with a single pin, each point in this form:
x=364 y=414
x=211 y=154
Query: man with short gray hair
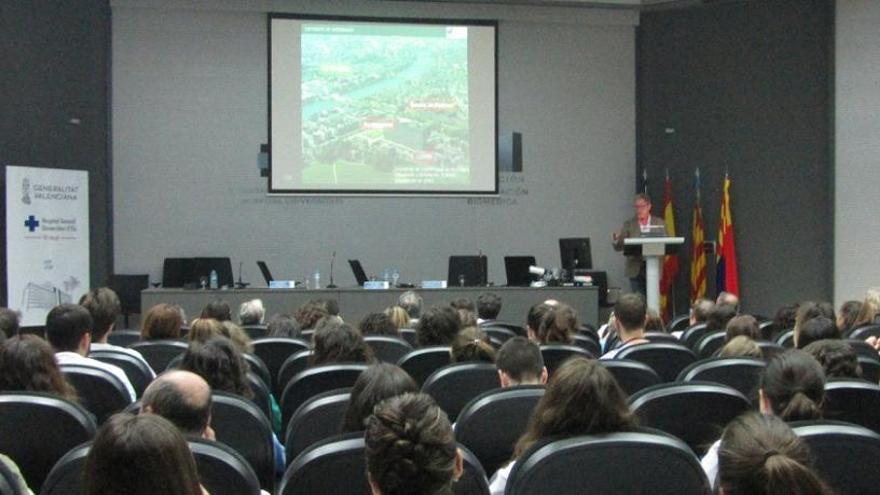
x=411 y=301
x=251 y=312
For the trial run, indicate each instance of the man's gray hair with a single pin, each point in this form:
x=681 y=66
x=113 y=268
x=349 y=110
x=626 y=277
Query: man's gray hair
x=251 y=312
x=411 y=301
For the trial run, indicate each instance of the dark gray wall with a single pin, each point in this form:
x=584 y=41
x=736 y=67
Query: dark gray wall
x=54 y=67
x=746 y=86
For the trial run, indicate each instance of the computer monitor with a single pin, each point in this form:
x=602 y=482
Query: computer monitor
x=517 y=268
x=223 y=266
x=359 y=274
x=177 y=272
x=575 y=253
x=264 y=269
x=471 y=270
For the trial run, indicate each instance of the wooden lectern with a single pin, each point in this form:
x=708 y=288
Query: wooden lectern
x=653 y=249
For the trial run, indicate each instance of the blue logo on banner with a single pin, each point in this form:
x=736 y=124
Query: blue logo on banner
x=32 y=223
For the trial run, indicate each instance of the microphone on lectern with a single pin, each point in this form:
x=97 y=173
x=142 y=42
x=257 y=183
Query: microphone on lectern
x=331 y=285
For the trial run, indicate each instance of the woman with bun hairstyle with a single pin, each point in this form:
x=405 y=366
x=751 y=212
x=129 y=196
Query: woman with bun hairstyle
x=558 y=325
x=472 y=344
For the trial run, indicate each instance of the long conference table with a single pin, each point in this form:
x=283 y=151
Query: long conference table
x=355 y=303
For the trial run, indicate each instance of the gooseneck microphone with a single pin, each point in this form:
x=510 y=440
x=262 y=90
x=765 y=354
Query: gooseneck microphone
x=331 y=285
x=240 y=284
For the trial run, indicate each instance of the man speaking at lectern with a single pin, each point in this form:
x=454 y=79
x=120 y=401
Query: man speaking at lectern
x=642 y=223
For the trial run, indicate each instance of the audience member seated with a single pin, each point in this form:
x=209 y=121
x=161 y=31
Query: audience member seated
x=282 y=325
x=785 y=317
x=582 y=398
x=219 y=362
x=519 y=362
x=847 y=315
x=251 y=312
x=700 y=311
x=558 y=325
x=719 y=316
x=331 y=306
x=378 y=382
x=742 y=325
x=9 y=322
x=217 y=309
x=309 y=313
x=870 y=312
x=438 y=326
x=653 y=322
x=104 y=307
x=535 y=315
x=27 y=364
x=728 y=299
x=140 y=455
x=815 y=329
x=838 y=359
x=463 y=303
x=378 y=324
x=162 y=321
x=411 y=302
x=466 y=318
x=68 y=329
x=410 y=447
x=339 y=343
x=398 y=316
x=761 y=455
x=741 y=346
x=488 y=308
x=238 y=336
x=203 y=329
x=629 y=320
x=184 y=398
x=809 y=310
x=472 y=344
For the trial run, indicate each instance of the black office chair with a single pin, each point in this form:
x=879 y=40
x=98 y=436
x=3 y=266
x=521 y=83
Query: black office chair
x=410 y=336
x=556 y=354
x=273 y=351
x=632 y=376
x=766 y=330
x=491 y=423
x=870 y=369
x=710 y=344
x=313 y=381
x=293 y=366
x=770 y=349
x=258 y=367
x=318 y=419
x=388 y=349
x=454 y=385
x=420 y=363
x=99 y=391
x=864 y=349
x=222 y=469
x=665 y=358
x=37 y=429
x=695 y=412
x=662 y=337
x=742 y=374
x=862 y=333
x=588 y=343
x=123 y=338
x=786 y=339
x=256 y=331
x=679 y=323
x=10 y=482
x=159 y=353
x=138 y=372
x=666 y=466
x=65 y=478
x=692 y=334
x=842 y=454
x=854 y=401
x=262 y=395
x=240 y=424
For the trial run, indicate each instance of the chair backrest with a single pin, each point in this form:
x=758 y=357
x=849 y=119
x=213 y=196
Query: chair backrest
x=662 y=337
x=710 y=343
x=319 y=418
x=66 y=476
x=862 y=333
x=258 y=367
x=123 y=338
x=692 y=334
x=854 y=401
x=491 y=423
x=786 y=339
x=695 y=412
x=454 y=385
x=262 y=395
x=665 y=466
x=863 y=348
x=410 y=336
x=222 y=469
x=420 y=363
x=842 y=454
x=588 y=343
x=11 y=483
x=293 y=366
x=240 y=424
x=273 y=351
x=388 y=349
x=870 y=369
x=473 y=480
x=158 y=353
x=770 y=349
x=99 y=391
x=138 y=372
x=500 y=333
x=632 y=376
x=679 y=323
x=256 y=331
x=665 y=358
x=556 y=354
x=313 y=381
x=36 y=430
x=516 y=329
x=766 y=330
x=742 y=374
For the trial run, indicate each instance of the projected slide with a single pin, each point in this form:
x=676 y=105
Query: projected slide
x=378 y=107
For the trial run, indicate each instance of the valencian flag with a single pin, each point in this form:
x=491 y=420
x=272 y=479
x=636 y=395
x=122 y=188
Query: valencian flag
x=698 y=255
x=670 y=262
x=727 y=279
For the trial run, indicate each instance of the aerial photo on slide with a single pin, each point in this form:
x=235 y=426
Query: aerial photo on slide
x=384 y=105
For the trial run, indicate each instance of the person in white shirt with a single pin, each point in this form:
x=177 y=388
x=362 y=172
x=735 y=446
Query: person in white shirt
x=630 y=315
x=104 y=307
x=68 y=330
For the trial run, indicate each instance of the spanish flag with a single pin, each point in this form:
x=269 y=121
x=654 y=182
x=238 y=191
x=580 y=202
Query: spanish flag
x=698 y=255
x=726 y=279
x=670 y=262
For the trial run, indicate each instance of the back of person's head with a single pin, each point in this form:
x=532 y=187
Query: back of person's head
x=719 y=316
x=9 y=320
x=182 y=397
x=809 y=310
x=466 y=318
x=410 y=447
x=741 y=346
x=558 y=326
x=65 y=326
x=104 y=307
x=785 y=317
x=438 y=326
x=793 y=385
x=745 y=325
x=630 y=312
x=700 y=310
x=582 y=398
x=837 y=358
x=203 y=329
x=339 y=343
x=377 y=383
x=219 y=362
x=536 y=314
x=847 y=315
x=398 y=316
x=521 y=361
x=140 y=455
x=282 y=325
x=27 y=364
x=309 y=313
x=411 y=302
x=760 y=455
x=488 y=305
x=217 y=309
x=728 y=299
x=870 y=308
x=162 y=321
x=238 y=336
x=331 y=305
x=653 y=322
x=251 y=312
x=378 y=324
x=462 y=303
x=472 y=344
x=818 y=328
